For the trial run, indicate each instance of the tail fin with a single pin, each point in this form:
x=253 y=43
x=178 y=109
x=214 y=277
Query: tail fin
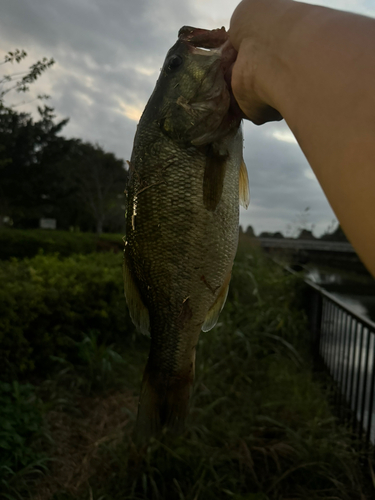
x=163 y=403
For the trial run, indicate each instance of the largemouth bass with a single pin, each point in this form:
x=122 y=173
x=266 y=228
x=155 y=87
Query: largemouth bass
x=185 y=176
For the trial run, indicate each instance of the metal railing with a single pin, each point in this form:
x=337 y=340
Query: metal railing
x=344 y=342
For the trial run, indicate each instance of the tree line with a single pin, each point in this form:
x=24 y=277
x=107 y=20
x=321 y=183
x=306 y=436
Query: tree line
x=45 y=175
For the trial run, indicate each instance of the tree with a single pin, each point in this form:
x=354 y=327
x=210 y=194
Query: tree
x=45 y=175
x=11 y=143
x=19 y=82
x=278 y=235
x=305 y=234
x=250 y=232
x=24 y=172
x=337 y=235
x=101 y=180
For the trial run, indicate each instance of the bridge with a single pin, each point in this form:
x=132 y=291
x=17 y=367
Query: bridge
x=301 y=252
x=307 y=245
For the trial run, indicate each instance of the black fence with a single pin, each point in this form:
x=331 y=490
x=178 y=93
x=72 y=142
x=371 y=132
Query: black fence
x=344 y=343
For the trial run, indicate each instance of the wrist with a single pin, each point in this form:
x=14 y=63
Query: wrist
x=262 y=33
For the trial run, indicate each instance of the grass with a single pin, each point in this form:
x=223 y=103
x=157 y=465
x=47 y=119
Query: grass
x=22 y=427
x=260 y=426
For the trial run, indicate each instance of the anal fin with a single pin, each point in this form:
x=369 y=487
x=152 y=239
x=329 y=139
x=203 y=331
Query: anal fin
x=216 y=308
x=138 y=311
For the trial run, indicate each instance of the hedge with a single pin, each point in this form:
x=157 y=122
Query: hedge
x=47 y=304
x=28 y=243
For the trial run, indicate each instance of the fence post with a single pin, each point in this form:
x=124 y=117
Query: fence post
x=316 y=324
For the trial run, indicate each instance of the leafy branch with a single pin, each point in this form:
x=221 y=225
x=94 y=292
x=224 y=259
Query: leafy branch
x=18 y=83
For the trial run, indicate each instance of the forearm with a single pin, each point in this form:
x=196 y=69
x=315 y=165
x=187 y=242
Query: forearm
x=316 y=66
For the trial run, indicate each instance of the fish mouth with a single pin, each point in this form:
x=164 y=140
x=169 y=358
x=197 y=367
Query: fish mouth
x=215 y=42
x=208 y=42
x=208 y=39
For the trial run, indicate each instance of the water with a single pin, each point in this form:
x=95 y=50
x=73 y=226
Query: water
x=355 y=290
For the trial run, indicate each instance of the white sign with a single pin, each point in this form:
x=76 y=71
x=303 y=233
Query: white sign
x=47 y=223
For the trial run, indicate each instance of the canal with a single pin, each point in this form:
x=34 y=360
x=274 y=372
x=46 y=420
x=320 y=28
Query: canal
x=354 y=289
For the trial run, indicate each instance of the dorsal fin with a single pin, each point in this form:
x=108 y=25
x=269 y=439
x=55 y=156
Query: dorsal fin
x=138 y=311
x=244 y=192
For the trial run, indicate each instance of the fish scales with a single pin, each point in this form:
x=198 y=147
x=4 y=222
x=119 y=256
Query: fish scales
x=181 y=239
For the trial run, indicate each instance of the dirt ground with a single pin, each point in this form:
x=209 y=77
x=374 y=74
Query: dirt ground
x=77 y=437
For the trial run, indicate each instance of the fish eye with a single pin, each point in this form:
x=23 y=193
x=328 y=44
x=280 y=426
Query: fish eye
x=174 y=62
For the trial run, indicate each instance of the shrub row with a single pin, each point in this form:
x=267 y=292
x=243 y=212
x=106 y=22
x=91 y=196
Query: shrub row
x=21 y=243
x=47 y=305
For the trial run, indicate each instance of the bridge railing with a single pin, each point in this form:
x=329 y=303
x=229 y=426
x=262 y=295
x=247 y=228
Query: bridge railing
x=344 y=343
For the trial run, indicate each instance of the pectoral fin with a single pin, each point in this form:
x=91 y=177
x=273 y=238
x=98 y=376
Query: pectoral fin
x=213 y=181
x=244 y=186
x=138 y=311
x=216 y=308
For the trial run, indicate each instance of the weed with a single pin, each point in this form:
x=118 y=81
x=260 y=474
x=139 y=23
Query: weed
x=21 y=425
x=95 y=367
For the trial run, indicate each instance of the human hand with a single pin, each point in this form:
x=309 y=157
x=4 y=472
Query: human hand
x=253 y=26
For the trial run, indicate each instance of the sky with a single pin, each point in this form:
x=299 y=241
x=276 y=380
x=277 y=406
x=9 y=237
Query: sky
x=108 y=56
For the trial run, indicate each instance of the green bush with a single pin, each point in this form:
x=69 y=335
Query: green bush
x=47 y=304
x=21 y=244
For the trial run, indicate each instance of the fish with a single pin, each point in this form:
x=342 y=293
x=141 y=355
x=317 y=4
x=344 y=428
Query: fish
x=186 y=180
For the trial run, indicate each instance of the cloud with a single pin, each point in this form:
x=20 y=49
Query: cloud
x=132 y=112
x=108 y=55
x=214 y=13
x=285 y=136
x=280 y=189
x=309 y=174
x=108 y=58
